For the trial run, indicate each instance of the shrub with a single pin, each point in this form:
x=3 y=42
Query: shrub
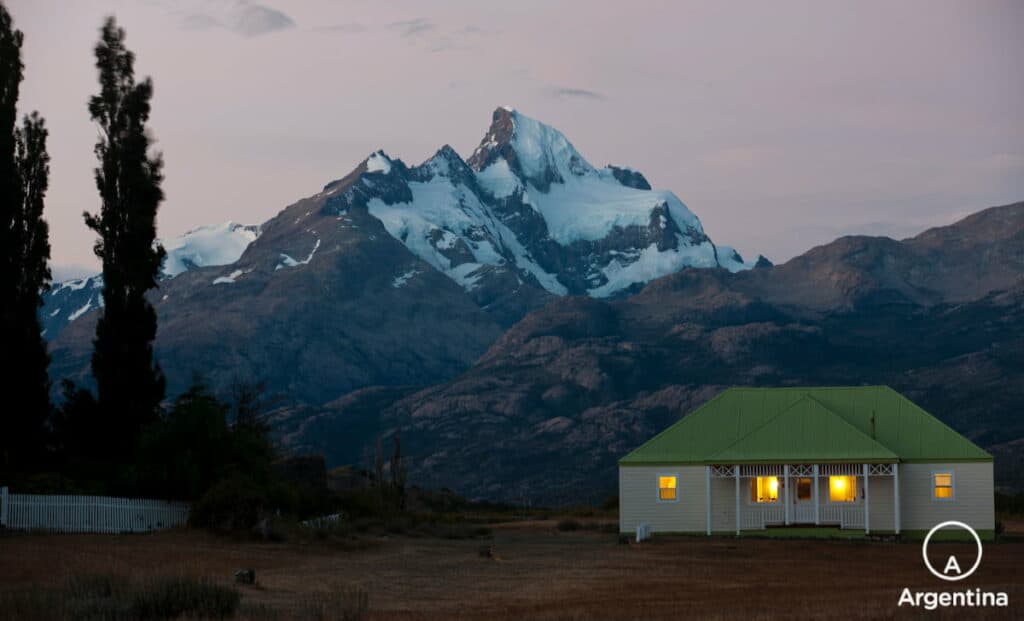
x=230 y=506
x=569 y=525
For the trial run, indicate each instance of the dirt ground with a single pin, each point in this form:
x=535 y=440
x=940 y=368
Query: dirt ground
x=540 y=573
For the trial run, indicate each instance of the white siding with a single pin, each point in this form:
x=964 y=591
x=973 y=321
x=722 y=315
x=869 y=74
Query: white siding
x=638 y=499
x=973 y=496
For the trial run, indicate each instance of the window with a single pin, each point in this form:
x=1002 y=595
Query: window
x=764 y=489
x=942 y=485
x=667 y=488
x=803 y=489
x=842 y=489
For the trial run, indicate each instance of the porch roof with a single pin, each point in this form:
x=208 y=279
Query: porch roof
x=803 y=425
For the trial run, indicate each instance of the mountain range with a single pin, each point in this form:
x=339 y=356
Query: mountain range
x=401 y=275
x=522 y=318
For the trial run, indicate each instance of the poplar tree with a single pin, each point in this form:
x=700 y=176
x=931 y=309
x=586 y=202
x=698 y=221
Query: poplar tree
x=130 y=385
x=24 y=267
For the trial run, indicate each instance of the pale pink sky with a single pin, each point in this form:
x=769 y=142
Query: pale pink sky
x=781 y=124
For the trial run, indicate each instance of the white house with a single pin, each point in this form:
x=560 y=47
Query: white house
x=863 y=458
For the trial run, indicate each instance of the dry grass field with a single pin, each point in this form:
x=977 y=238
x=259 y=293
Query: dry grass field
x=539 y=573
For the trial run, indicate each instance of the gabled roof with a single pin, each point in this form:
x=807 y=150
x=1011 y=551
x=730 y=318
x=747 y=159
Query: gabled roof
x=866 y=424
x=808 y=429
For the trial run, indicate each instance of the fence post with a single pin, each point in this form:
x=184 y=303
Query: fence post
x=3 y=506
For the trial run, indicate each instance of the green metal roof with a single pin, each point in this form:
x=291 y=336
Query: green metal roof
x=764 y=425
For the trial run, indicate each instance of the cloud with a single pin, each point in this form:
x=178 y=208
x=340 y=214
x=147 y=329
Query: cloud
x=342 y=28
x=241 y=17
x=581 y=93
x=413 y=27
x=252 y=20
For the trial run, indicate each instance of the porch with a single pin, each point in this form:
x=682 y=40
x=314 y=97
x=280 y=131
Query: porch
x=832 y=494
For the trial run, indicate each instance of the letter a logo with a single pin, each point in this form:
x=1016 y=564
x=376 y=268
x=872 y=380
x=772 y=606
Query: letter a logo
x=952 y=572
x=951 y=565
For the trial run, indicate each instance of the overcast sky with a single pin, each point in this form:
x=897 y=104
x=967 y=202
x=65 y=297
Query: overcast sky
x=780 y=124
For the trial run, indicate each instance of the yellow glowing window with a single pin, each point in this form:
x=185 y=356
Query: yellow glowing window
x=764 y=489
x=842 y=489
x=667 y=488
x=943 y=484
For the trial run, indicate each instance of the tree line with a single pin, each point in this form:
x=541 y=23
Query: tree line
x=118 y=438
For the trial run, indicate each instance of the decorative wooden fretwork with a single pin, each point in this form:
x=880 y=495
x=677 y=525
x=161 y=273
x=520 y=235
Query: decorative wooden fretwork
x=801 y=470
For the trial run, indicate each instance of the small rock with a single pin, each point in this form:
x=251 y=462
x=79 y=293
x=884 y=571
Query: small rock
x=245 y=576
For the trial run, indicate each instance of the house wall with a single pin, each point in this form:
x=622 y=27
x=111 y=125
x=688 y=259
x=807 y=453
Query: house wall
x=638 y=499
x=972 y=502
x=973 y=496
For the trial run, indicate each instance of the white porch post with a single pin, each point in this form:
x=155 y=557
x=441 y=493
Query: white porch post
x=867 y=502
x=817 y=510
x=785 y=490
x=707 y=495
x=736 y=473
x=896 y=495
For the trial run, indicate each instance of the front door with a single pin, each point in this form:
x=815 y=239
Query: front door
x=803 y=500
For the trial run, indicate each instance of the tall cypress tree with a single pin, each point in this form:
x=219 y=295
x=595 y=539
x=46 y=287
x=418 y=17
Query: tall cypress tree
x=24 y=268
x=130 y=384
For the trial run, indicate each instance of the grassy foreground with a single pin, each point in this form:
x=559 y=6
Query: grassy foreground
x=536 y=571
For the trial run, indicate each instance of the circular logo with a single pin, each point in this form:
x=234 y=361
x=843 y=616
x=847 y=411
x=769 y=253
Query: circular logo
x=952 y=564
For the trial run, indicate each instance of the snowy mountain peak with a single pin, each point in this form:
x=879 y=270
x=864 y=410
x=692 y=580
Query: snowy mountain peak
x=537 y=153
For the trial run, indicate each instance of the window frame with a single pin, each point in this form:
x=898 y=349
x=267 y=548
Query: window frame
x=856 y=489
x=952 y=485
x=657 y=487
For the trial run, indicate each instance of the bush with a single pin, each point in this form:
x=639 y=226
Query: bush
x=232 y=505
x=569 y=525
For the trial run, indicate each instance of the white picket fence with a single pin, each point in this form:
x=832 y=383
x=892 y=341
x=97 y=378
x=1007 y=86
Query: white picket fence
x=88 y=514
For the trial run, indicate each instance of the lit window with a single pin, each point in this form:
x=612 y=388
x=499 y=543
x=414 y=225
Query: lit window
x=803 y=489
x=943 y=484
x=667 y=488
x=842 y=489
x=764 y=489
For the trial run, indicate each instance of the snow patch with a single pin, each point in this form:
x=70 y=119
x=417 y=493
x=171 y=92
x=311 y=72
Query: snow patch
x=378 y=163
x=651 y=264
x=230 y=278
x=401 y=279
x=540 y=148
x=498 y=179
x=210 y=245
x=287 y=261
x=78 y=313
x=730 y=260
